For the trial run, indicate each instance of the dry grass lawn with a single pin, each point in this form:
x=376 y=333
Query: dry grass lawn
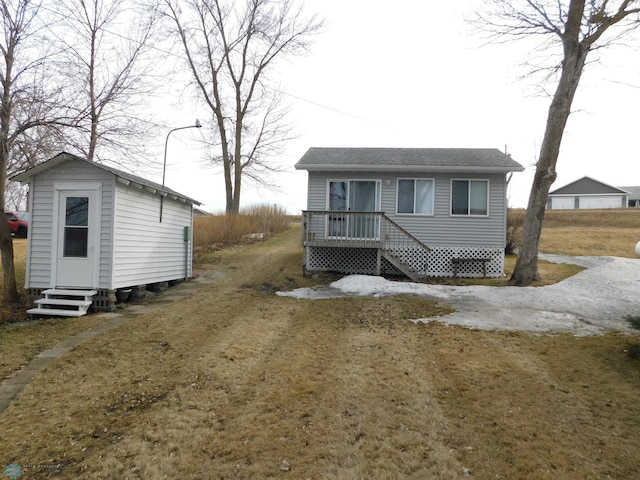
x=235 y=382
x=591 y=232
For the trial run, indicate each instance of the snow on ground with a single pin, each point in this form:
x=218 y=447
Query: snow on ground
x=594 y=301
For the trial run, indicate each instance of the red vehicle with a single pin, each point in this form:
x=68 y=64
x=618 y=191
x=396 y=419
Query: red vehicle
x=18 y=223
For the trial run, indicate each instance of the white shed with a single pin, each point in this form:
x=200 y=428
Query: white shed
x=96 y=230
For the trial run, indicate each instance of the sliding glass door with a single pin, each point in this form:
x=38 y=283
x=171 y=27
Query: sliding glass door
x=357 y=197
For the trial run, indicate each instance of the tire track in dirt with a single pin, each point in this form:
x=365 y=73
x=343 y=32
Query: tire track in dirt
x=233 y=381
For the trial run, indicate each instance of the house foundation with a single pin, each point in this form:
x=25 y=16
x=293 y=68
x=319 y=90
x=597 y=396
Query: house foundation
x=365 y=261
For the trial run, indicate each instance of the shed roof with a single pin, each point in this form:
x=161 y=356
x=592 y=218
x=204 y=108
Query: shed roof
x=587 y=186
x=408 y=159
x=122 y=176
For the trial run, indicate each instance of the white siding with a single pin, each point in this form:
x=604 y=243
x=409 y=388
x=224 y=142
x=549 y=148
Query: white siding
x=601 y=201
x=441 y=228
x=145 y=249
x=571 y=202
x=40 y=253
x=563 y=203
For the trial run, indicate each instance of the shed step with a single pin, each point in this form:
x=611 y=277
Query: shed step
x=75 y=293
x=63 y=301
x=53 y=312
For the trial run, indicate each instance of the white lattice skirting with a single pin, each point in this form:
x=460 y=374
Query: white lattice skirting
x=364 y=260
x=439 y=263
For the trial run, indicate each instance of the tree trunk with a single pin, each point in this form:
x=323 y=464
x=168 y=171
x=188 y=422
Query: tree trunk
x=526 y=269
x=6 y=243
x=10 y=289
x=9 y=274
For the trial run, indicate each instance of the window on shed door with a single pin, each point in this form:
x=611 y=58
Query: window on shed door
x=469 y=197
x=415 y=196
x=76 y=227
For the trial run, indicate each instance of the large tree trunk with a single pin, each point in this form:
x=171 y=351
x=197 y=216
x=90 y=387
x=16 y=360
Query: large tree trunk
x=6 y=243
x=526 y=269
x=10 y=289
x=8 y=270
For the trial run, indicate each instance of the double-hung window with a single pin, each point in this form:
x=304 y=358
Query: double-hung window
x=470 y=197
x=415 y=196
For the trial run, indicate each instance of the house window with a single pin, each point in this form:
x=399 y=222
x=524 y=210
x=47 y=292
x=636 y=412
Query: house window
x=415 y=196
x=469 y=197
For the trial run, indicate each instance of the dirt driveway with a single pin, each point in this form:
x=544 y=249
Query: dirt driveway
x=231 y=381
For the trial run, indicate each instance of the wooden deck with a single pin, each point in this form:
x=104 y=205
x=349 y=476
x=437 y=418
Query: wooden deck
x=371 y=230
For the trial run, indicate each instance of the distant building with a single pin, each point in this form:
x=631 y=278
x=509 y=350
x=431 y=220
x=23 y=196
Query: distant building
x=634 y=196
x=587 y=193
x=198 y=212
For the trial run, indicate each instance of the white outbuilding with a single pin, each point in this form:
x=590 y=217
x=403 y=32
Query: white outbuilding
x=96 y=231
x=587 y=193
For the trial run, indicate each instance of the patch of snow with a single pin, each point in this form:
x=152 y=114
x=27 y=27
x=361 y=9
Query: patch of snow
x=591 y=302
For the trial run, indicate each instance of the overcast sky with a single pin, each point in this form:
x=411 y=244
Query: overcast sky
x=418 y=75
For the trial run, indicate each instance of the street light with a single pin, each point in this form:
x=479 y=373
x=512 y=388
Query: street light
x=164 y=164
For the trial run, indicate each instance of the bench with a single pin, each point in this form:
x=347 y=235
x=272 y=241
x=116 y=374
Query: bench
x=457 y=261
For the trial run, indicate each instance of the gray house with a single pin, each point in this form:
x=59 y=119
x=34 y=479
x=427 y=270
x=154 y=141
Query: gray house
x=96 y=231
x=413 y=211
x=587 y=193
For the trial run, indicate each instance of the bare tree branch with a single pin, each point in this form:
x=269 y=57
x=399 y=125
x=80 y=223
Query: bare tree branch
x=230 y=47
x=110 y=74
x=577 y=27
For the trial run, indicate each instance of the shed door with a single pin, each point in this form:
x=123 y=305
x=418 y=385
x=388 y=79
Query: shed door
x=76 y=258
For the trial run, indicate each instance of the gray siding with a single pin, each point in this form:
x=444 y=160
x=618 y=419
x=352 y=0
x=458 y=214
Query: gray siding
x=41 y=243
x=147 y=251
x=439 y=229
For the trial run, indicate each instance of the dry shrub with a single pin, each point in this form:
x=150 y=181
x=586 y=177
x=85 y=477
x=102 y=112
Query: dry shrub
x=253 y=222
x=515 y=223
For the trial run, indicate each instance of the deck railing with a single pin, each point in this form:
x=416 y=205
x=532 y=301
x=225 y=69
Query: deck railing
x=326 y=228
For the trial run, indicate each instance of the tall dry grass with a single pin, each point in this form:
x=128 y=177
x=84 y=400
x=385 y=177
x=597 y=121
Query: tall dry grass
x=253 y=222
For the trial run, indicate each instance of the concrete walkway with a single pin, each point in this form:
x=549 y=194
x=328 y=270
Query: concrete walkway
x=10 y=387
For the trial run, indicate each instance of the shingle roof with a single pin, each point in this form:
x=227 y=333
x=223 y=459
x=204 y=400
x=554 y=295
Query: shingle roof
x=432 y=159
x=127 y=177
x=587 y=186
x=634 y=192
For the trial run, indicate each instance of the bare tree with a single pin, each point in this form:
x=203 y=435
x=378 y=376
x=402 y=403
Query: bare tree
x=576 y=28
x=230 y=47
x=106 y=46
x=25 y=107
